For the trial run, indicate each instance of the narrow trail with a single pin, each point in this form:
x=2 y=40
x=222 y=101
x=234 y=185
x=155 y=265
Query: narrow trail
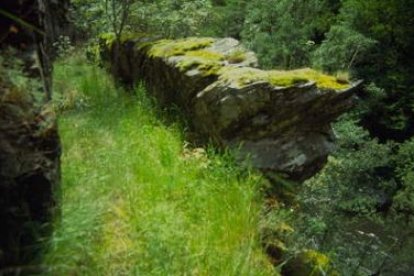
x=137 y=201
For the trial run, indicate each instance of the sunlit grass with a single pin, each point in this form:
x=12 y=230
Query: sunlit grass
x=136 y=199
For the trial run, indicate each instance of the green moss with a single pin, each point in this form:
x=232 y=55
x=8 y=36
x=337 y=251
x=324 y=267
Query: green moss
x=205 y=54
x=108 y=38
x=316 y=258
x=286 y=78
x=205 y=66
x=246 y=75
x=236 y=56
x=125 y=36
x=242 y=76
x=207 y=62
x=168 y=48
x=318 y=263
x=309 y=263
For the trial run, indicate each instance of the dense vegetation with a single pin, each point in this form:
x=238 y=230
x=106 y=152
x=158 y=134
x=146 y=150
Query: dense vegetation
x=359 y=210
x=136 y=198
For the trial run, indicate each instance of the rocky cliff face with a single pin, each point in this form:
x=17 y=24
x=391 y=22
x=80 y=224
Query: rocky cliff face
x=29 y=174
x=279 y=120
x=29 y=143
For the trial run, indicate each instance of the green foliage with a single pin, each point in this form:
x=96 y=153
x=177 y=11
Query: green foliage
x=76 y=87
x=342 y=48
x=359 y=208
x=138 y=200
x=226 y=19
x=367 y=184
x=63 y=46
x=12 y=70
x=167 y=18
x=388 y=63
x=170 y=18
x=404 y=198
x=272 y=32
x=355 y=167
x=88 y=17
x=92 y=17
x=284 y=33
x=117 y=13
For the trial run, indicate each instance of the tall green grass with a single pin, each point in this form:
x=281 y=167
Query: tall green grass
x=136 y=200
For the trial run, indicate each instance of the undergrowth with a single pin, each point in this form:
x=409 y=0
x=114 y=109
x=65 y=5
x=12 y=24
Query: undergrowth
x=136 y=199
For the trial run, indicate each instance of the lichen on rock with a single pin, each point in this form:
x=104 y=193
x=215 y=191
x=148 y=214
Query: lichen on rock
x=308 y=263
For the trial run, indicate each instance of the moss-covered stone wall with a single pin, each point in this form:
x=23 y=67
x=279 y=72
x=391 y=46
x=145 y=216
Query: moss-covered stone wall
x=279 y=120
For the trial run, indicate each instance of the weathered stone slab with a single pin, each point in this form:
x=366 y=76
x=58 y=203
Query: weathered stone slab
x=285 y=129
x=279 y=120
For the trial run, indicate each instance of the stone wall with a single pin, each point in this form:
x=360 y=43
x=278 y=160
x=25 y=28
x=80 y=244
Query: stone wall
x=279 y=120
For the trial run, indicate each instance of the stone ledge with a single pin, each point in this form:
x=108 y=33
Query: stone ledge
x=279 y=120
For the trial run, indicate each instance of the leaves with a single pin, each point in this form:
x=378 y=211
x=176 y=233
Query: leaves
x=342 y=48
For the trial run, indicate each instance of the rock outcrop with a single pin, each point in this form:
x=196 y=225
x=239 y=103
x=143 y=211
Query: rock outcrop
x=29 y=142
x=29 y=174
x=279 y=120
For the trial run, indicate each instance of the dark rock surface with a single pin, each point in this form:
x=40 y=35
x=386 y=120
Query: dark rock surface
x=29 y=174
x=281 y=129
x=29 y=142
x=279 y=120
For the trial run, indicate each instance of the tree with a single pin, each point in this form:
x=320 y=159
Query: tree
x=284 y=33
x=117 y=13
x=228 y=17
x=388 y=63
x=170 y=18
x=342 y=48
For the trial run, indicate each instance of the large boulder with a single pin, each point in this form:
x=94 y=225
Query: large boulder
x=278 y=120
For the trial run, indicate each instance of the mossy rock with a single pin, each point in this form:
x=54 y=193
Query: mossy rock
x=323 y=81
x=206 y=62
x=107 y=39
x=196 y=54
x=308 y=263
x=167 y=48
x=236 y=56
x=206 y=54
x=245 y=75
x=281 y=118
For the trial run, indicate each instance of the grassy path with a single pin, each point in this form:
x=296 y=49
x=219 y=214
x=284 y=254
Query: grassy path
x=136 y=200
